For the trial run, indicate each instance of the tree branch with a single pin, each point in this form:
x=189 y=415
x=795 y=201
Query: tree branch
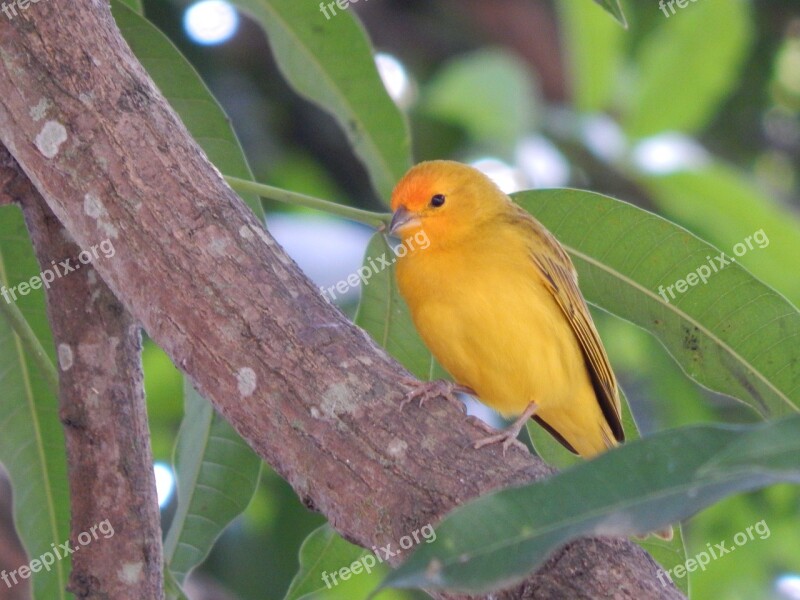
x=310 y=392
x=115 y=517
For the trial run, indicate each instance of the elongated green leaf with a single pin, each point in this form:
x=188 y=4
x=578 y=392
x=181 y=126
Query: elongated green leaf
x=217 y=475
x=330 y=62
x=668 y=553
x=593 y=48
x=187 y=94
x=32 y=441
x=732 y=334
x=498 y=539
x=322 y=555
x=613 y=7
x=325 y=556
x=683 y=71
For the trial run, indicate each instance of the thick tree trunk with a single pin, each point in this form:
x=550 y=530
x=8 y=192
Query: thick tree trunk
x=310 y=392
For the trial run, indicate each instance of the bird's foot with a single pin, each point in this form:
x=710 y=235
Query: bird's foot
x=509 y=436
x=426 y=390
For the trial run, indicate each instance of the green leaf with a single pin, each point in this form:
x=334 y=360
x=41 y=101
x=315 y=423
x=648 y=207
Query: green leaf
x=489 y=94
x=498 y=539
x=613 y=7
x=725 y=207
x=324 y=552
x=217 y=474
x=593 y=49
x=668 y=554
x=188 y=95
x=706 y=67
x=383 y=314
x=732 y=334
x=32 y=441
x=330 y=62
x=323 y=555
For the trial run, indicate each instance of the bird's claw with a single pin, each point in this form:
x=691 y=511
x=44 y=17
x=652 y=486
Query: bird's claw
x=508 y=438
x=426 y=390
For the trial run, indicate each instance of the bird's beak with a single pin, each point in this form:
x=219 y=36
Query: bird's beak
x=400 y=219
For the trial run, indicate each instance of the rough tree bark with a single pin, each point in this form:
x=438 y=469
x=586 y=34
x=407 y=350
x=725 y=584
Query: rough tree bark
x=311 y=393
x=102 y=407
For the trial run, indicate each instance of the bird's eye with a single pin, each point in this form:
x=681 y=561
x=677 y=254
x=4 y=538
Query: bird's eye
x=437 y=200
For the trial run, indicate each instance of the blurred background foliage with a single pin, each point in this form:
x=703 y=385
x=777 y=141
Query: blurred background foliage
x=695 y=116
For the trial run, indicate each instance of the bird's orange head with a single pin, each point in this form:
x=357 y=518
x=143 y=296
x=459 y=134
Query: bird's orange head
x=445 y=200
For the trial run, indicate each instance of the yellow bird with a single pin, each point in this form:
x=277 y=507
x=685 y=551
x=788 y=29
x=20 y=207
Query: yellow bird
x=495 y=298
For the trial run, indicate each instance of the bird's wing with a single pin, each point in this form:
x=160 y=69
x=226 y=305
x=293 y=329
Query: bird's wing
x=560 y=277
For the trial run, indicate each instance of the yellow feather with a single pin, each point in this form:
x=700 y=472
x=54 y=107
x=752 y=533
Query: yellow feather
x=495 y=298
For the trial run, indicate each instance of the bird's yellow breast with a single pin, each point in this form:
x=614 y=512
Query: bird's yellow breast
x=489 y=320
x=495 y=298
